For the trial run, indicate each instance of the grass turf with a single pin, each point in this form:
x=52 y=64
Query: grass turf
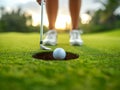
x=97 y=68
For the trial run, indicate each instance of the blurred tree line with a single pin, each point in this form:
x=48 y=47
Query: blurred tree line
x=103 y=19
x=16 y=21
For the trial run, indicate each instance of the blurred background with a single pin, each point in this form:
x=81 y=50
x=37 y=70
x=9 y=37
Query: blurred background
x=24 y=16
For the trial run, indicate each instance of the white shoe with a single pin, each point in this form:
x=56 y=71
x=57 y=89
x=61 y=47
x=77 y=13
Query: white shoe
x=75 y=38
x=51 y=38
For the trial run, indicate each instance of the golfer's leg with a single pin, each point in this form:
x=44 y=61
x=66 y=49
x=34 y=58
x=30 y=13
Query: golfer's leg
x=52 y=9
x=75 y=38
x=74 y=6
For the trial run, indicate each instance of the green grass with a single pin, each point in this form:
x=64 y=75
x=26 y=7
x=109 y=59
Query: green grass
x=97 y=68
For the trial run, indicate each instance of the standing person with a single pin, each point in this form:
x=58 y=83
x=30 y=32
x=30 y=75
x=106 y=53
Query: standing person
x=52 y=10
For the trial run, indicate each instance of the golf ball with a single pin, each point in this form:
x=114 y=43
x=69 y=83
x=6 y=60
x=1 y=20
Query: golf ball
x=59 y=53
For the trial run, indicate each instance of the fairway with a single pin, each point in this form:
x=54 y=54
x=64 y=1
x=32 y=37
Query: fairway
x=97 y=68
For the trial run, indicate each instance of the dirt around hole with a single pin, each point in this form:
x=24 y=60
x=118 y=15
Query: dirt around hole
x=48 y=56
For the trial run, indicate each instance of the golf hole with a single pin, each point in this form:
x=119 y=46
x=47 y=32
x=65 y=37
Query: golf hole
x=48 y=56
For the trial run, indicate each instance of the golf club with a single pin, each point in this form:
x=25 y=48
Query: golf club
x=41 y=29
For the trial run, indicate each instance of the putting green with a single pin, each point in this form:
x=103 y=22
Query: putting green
x=97 y=68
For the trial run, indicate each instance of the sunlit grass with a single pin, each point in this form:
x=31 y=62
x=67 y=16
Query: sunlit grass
x=97 y=68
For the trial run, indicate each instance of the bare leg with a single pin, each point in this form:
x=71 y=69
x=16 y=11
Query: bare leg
x=52 y=9
x=74 y=6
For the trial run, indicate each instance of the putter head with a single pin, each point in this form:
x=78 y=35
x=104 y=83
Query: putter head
x=44 y=47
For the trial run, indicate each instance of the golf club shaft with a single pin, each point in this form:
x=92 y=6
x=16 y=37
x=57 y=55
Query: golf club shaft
x=41 y=27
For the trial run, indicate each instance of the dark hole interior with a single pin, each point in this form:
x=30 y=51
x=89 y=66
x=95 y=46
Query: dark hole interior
x=49 y=56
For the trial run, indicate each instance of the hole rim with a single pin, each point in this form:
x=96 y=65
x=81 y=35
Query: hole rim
x=73 y=57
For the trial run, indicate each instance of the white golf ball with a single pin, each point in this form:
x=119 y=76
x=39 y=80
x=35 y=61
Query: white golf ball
x=59 y=53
